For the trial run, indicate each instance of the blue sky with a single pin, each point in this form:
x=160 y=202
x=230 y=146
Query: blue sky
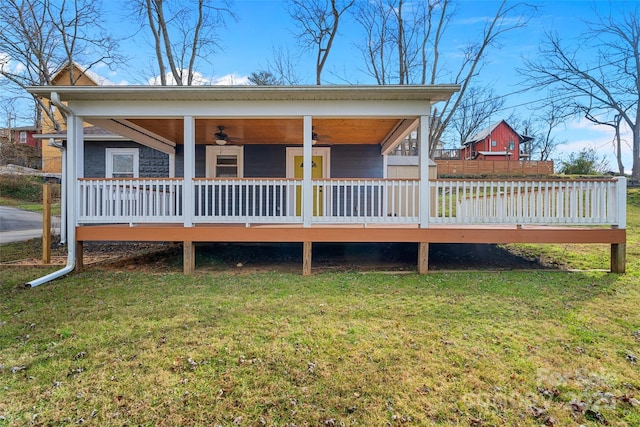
x=264 y=25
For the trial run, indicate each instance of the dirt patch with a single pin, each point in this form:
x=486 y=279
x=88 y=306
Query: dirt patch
x=250 y=258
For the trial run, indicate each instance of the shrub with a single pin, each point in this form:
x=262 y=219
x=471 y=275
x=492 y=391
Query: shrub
x=22 y=187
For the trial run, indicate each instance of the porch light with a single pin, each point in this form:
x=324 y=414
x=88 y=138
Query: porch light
x=221 y=141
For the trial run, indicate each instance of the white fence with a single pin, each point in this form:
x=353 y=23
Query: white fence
x=578 y=202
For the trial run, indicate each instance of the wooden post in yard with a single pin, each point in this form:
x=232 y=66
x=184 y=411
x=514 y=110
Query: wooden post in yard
x=423 y=258
x=79 y=257
x=189 y=258
x=618 y=257
x=306 y=259
x=46 y=223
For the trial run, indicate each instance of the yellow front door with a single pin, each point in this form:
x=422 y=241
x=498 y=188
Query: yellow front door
x=316 y=173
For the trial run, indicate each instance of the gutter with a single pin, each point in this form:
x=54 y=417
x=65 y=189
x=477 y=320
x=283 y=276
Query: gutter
x=70 y=184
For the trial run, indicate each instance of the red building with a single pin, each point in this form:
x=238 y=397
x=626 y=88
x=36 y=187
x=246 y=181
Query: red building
x=21 y=135
x=497 y=142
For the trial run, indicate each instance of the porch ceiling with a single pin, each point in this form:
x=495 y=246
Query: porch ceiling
x=275 y=131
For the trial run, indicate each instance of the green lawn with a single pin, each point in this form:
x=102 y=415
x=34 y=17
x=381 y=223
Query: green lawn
x=507 y=348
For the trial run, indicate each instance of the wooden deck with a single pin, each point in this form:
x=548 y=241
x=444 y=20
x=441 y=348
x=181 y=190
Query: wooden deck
x=356 y=233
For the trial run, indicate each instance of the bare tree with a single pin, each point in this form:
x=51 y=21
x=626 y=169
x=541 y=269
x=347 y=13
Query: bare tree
x=183 y=32
x=398 y=45
x=283 y=67
x=477 y=108
x=541 y=127
x=405 y=48
x=614 y=123
x=318 y=21
x=38 y=37
x=603 y=84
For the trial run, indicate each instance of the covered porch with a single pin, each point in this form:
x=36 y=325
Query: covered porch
x=304 y=164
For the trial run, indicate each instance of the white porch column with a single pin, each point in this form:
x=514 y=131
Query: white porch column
x=74 y=170
x=307 y=186
x=63 y=195
x=423 y=161
x=189 y=169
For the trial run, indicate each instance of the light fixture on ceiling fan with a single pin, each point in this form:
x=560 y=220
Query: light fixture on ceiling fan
x=221 y=137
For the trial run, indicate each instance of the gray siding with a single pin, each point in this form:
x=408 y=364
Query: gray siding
x=153 y=163
x=201 y=160
x=265 y=161
x=269 y=161
x=356 y=161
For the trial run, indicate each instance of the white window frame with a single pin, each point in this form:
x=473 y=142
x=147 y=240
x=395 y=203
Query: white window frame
x=212 y=153
x=23 y=137
x=110 y=152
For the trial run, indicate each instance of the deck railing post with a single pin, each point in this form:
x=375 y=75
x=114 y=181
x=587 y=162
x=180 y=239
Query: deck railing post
x=621 y=202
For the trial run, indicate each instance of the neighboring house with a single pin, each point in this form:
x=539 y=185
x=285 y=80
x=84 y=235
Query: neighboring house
x=498 y=142
x=21 y=135
x=74 y=75
x=298 y=164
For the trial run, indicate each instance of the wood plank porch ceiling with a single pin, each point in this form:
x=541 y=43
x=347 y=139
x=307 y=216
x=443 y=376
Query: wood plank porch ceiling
x=275 y=131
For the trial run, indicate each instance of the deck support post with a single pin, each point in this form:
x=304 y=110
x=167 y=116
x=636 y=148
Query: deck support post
x=618 y=258
x=189 y=257
x=79 y=257
x=306 y=258
x=423 y=258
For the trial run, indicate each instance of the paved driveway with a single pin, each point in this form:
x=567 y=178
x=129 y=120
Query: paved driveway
x=17 y=225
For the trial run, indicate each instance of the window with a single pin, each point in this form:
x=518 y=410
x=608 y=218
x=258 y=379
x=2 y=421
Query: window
x=122 y=163
x=225 y=162
x=494 y=143
x=23 y=137
x=512 y=145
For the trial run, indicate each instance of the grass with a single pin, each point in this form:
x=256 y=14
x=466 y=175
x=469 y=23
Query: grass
x=481 y=348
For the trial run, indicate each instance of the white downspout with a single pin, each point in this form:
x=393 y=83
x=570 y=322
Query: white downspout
x=70 y=175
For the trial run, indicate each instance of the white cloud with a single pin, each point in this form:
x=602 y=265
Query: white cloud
x=231 y=80
x=200 y=80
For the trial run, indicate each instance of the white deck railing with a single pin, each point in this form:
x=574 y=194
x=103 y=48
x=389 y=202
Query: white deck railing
x=366 y=201
x=130 y=200
x=372 y=201
x=246 y=200
x=576 y=202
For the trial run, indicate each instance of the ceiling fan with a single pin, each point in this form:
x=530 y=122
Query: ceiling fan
x=315 y=138
x=221 y=137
